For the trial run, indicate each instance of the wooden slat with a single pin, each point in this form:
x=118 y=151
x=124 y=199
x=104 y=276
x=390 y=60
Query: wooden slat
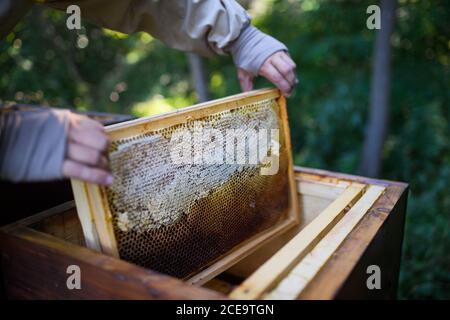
x=302 y=274
x=294 y=209
x=323 y=190
x=271 y=272
x=36 y=218
x=102 y=219
x=85 y=215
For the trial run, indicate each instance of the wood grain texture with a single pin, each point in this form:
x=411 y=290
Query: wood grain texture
x=85 y=215
x=36 y=264
x=99 y=211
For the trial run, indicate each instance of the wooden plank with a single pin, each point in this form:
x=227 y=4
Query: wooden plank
x=102 y=219
x=302 y=274
x=329 y=191
x=36 y=218
x=336 y=177
x=34 y=266
x=85 y=215
x=294 y=209
x=271 y=272
x=65 y=225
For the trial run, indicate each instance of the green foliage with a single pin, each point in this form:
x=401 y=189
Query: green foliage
x=113 y=73
x=40 y=63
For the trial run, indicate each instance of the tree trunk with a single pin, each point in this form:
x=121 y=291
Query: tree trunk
x=380 y=92
x=198 y=76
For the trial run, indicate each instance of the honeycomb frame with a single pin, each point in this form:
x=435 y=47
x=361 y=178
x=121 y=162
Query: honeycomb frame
x=99 y=223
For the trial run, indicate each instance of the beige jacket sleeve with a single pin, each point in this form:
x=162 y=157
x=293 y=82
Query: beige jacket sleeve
x=205 y=27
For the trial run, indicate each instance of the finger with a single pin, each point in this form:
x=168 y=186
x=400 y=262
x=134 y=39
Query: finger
x=76 y=170
x=246 y=83
x=285 y=71
x=85 y=122
x=86 y=155
x=288 y=60
x=245 y=80
x=91 y=124
x=285 y=56
x=284 y=68
x=90 y=138
x=273 y=75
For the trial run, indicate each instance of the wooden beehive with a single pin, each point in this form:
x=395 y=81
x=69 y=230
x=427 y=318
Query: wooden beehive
x=330 y=228
x=196 y=218
x=347 y=224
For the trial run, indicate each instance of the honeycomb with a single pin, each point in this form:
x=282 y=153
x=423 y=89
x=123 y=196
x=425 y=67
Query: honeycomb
x=180 y=217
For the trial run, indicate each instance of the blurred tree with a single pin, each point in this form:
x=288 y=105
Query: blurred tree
x=379 y=94
x=198 y=76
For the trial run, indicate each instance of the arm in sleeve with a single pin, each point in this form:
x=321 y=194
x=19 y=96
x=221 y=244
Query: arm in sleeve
x=32 y=144
x=206 y=27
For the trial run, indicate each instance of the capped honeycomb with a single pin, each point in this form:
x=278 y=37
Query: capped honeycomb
x=178 y=217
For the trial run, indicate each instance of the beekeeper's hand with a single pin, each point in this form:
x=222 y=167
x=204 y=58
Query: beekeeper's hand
x=42 y=144
x=278 y=69
x=256 y=53
x=85 y=157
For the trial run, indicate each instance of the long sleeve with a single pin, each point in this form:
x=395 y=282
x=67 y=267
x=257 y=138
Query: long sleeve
x=206 y=27
x=202 y=26
x=32 y=143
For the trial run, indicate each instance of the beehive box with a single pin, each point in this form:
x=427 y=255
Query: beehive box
x=35 y=252
x=346 y=224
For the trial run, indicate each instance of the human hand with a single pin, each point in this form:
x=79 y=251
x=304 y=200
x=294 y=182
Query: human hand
x=87 y=144
x=278 y=69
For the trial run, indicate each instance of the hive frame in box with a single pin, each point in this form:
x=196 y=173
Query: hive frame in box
x=93 y=209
